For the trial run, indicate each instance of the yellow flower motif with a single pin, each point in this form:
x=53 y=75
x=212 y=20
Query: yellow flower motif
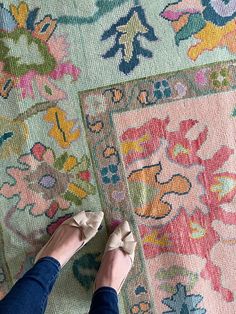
x=63 y=130
x=20 y=13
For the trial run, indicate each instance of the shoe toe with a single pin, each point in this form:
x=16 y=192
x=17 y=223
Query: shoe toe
x=124 y=228
x=96 y=218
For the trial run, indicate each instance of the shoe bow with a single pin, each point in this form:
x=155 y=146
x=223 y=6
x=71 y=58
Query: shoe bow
x=89 y=222
x=127 y=243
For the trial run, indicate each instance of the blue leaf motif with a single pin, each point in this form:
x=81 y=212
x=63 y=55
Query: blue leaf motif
x=31 y=19
x=128 y=31
x=181 y=303
x=85 y=269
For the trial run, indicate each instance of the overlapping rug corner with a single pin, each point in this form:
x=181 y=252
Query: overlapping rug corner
x=158 y=151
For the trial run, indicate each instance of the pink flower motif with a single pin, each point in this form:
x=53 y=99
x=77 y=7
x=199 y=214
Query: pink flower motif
x=49 y=57
x=201 y=78
x=138 y=143
x=58 y=47
x=45 y=184
x=65 y=68
x=28 y=191
x=46 y=88
x=190 y=235
x=25 y=84
x=173 y=12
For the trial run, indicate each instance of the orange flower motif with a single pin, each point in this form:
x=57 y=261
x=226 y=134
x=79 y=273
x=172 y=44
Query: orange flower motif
x=141 y=308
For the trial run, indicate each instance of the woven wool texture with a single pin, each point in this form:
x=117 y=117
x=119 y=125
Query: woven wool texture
x=127 y=107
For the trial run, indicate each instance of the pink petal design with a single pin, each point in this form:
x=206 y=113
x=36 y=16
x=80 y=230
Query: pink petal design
x=54 y=93
x=29 y=161
x=201 y=77
x=173 y=12
x=174 y=16
x=26 y=196
x=65 y=68
x=63 y=204
x=58 y=47
x=25 y=84
x=49 y=157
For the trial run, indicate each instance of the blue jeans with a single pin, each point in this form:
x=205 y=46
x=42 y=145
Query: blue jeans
x=30 y=294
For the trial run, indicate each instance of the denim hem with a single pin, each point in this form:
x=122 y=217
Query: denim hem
x=51 y=260
x=105 y=289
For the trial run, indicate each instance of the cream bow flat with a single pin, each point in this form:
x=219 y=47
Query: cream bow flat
x=122 y=238
x=88 y=222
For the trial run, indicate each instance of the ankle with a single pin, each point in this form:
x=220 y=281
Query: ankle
x=114 y=269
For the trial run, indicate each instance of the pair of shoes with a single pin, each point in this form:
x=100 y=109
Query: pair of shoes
x=88 y=223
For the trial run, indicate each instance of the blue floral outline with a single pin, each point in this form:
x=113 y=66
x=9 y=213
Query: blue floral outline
x=127 y=67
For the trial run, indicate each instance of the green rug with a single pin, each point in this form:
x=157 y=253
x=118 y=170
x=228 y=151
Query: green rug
x=126 y=107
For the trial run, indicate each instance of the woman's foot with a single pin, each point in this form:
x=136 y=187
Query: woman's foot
x=67 y=241
x=114 y=269
x=117 y=259
x=72 y=235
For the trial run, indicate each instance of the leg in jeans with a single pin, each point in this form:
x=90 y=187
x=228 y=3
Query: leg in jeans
x=115 y=266
x=105 y=301
x=30 y=294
